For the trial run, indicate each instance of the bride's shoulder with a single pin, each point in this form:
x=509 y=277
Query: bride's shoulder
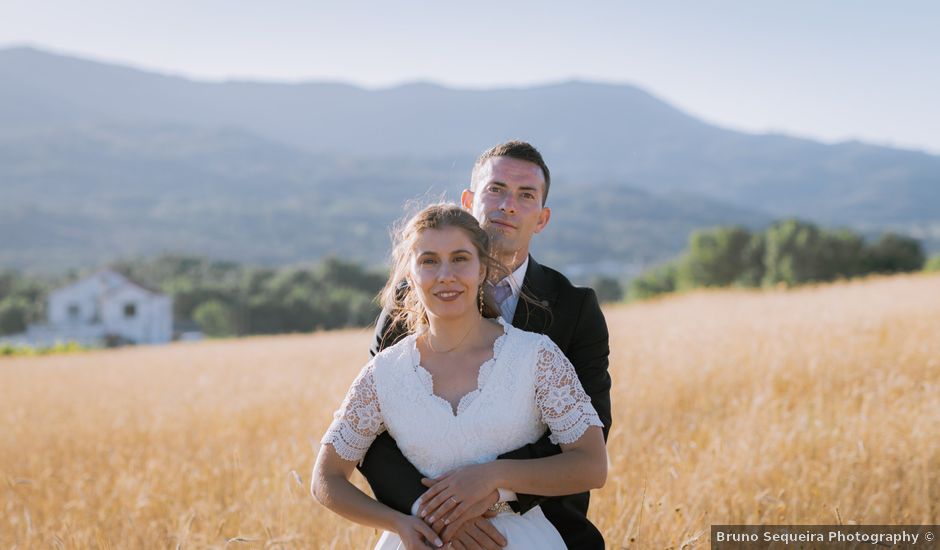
x=517 y=333
x=399 y=352
x=525 y=338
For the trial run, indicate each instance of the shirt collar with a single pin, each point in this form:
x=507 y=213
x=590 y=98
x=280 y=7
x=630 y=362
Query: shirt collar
x=517 y=277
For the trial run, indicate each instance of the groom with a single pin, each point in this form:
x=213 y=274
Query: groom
x=508 y=188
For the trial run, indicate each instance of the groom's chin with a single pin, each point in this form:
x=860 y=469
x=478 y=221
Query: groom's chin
x=499 y=242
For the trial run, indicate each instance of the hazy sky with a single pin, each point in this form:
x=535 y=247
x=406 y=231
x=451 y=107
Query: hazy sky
x=831 y=70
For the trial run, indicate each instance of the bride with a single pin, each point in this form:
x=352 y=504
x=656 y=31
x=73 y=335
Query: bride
x=461 y=389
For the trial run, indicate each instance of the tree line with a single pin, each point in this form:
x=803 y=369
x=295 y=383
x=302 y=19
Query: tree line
x=230 y=299
x=224 y=298
x=23 y=300
x=789 y=252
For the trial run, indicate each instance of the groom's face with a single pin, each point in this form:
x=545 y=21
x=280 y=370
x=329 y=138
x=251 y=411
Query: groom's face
x=506 y=198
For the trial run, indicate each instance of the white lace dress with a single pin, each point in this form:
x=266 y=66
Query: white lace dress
x=527 y=385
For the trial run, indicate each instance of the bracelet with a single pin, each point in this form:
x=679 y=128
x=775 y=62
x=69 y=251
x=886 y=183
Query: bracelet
x=501 y=508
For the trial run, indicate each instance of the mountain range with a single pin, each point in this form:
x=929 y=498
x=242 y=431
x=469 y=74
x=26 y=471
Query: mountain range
x=99 y=161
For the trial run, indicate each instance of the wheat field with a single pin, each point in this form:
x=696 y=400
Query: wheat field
x=816 y=405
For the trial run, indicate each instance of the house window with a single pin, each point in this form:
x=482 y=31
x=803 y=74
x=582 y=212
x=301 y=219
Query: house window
x=130 y=310
x=74 y=312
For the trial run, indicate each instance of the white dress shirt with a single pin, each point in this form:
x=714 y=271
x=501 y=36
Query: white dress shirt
x=508 y=308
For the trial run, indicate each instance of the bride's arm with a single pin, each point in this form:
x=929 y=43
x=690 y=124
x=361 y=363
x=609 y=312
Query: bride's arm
x=332 y=488
x=355 y=426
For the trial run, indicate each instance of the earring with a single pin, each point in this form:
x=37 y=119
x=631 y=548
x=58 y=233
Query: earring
x=480 y=294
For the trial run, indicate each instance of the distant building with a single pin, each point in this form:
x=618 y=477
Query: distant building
x=105 y=308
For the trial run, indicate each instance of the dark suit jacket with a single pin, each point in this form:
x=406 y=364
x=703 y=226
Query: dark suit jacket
x=575 y=323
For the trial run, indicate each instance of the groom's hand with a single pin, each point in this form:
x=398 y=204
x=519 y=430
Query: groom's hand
x=477 y=533
x=471 y=529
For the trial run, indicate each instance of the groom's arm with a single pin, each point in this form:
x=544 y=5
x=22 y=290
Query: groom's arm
x=589 y=353
x=394 y=481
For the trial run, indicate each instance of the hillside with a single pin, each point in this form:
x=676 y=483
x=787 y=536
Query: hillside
x=122 y=138
x=84 y=196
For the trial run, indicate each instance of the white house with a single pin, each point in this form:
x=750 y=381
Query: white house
x=105 y=307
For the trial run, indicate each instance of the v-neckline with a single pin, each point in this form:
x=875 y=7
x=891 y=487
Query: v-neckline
x=483 y=372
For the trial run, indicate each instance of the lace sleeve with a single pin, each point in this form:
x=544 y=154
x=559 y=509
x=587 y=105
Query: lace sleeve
x=566 y=408
x=359 y=419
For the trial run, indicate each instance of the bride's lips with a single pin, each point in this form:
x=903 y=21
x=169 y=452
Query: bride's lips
x=448 y=295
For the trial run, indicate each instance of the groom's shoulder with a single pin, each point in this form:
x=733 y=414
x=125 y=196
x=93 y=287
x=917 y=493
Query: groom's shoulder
x=555 y=278
x=562 y=286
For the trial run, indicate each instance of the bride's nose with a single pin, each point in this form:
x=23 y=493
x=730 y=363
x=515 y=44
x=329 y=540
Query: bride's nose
x=446 y=272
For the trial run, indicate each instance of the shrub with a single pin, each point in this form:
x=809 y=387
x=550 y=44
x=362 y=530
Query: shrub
x=607 y=289
x=933 y=264
x=215 y=318
x=657 y=281
x=893 y=253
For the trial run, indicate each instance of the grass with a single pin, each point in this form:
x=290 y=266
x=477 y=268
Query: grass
x=9 y=350
x=815 y=405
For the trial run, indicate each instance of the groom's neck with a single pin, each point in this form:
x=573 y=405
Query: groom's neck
x=513 y=260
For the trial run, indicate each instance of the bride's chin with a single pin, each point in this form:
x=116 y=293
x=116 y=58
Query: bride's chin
x=447 y=315
x=448 y=312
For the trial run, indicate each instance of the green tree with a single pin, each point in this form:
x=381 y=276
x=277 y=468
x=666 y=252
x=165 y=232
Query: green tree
x=932 y=265
x=716 y=257
x=656 y=281
x=793 y=253
x=14 y=314
x=304 y=309
x=607 y=289
x=843 y=254
x=335 y=272
x=215 y=318
x=343 y=307
x=7 y=282
x=752 y=262
x=893 y=253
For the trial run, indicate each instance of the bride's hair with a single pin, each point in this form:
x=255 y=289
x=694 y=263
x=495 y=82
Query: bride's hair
x=399 y=299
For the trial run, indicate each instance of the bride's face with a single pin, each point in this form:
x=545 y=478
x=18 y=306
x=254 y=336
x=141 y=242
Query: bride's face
x=446 y=272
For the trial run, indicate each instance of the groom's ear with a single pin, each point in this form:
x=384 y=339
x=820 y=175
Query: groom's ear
x=544 y=216
x=466 y=199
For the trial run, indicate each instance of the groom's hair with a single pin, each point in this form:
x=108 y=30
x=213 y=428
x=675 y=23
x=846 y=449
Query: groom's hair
x=519 y=150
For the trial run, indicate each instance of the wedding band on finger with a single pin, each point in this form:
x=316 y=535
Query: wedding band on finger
x=455 y=500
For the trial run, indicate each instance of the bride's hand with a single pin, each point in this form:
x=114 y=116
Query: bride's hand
x=457 y=493
x=414 y=533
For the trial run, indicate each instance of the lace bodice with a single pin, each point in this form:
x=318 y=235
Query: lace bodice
x=527 y=386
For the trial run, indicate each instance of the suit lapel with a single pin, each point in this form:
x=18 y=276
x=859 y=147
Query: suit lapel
x=536 y=285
